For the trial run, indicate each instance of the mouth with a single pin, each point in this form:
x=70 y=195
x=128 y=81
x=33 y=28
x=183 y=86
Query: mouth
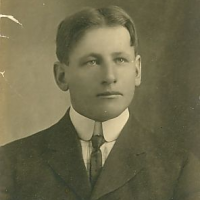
x=109 y=95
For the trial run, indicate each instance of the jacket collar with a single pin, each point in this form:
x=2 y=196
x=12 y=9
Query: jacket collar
x=64 y=156
x=125 y=161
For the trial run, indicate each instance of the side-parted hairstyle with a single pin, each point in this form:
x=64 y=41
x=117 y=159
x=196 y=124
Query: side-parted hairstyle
x=72 y=28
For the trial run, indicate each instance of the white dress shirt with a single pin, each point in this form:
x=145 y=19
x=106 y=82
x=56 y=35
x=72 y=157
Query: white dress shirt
x=85 y=127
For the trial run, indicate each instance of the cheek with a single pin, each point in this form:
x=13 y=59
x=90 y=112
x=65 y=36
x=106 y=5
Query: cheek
x=128 y=79
x=87 y=80
x=75 y=80
x=128 y=71
x=128 y=85
x=80 y=88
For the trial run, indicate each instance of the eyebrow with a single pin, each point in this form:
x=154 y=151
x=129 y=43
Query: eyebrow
x=120 y=53
x=99 y=55
x=90 y=55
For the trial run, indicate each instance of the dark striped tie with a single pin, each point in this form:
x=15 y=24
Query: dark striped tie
x=96 y=157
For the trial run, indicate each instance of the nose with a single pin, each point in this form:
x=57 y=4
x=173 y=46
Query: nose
x=109 y=74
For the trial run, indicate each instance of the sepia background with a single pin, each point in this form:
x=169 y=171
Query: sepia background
x=169 y=37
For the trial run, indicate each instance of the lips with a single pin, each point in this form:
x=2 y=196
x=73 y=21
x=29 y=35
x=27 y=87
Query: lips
x=109 y=94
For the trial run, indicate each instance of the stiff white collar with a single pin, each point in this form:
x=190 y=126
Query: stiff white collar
x=85 y=126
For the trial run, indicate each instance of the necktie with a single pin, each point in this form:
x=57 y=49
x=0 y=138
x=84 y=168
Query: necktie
x=96 y=155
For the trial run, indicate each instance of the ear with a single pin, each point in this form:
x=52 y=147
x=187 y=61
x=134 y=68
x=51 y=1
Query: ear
x=138 y=70
x=60 y=76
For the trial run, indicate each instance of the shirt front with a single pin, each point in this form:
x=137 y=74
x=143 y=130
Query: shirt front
x=85 y=127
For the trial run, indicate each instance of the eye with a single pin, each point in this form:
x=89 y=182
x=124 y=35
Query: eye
x=92 y=62
x=121 y=60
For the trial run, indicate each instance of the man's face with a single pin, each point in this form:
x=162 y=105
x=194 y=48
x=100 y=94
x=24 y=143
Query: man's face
x=102 y=73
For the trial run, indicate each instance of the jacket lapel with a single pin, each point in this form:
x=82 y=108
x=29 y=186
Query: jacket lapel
x=65 y=158
x=125 y=161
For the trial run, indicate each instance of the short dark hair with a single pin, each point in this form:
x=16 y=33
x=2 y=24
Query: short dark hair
x=72 y=28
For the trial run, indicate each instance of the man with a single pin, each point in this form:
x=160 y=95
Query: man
x=98 y=150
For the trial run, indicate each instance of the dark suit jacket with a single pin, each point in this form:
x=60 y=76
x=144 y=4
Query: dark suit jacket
x=142 y=165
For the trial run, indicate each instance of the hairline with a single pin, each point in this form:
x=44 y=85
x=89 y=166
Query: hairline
x=94 y=27
x=100 y=20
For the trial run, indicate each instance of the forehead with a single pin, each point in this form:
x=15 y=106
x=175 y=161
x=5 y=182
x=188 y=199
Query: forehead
x=104 y=40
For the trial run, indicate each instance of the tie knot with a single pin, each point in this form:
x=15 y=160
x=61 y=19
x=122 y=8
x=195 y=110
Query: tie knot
x=97 y=141
x=97 y=138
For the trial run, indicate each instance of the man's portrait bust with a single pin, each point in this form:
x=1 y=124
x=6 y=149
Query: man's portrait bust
x=98 y=150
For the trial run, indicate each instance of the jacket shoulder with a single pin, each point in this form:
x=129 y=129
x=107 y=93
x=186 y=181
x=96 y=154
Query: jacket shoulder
x=32 y=144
